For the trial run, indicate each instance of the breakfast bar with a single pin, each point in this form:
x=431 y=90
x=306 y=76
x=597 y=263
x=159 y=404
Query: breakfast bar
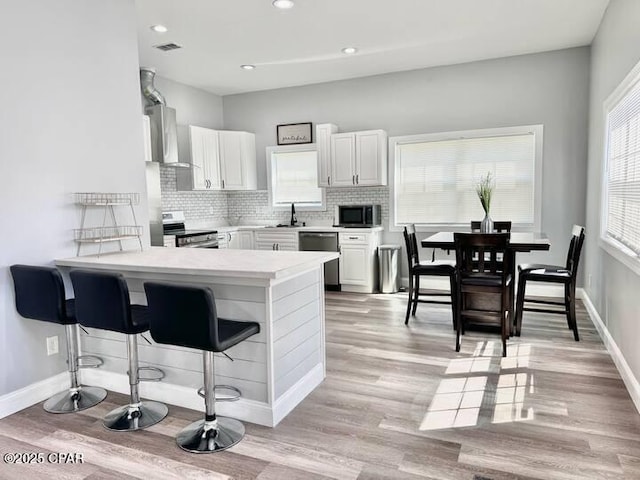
x=275 y=370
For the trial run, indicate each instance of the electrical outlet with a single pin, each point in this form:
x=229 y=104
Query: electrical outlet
x=52 y=345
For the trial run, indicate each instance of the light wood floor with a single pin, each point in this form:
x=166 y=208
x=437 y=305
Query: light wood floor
x=398 y=402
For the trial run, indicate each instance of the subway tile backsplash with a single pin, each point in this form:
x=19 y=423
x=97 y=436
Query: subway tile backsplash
x=196 y=204
x=253 y=206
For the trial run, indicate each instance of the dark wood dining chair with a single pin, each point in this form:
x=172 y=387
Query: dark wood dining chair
x=483 y=283
x=565 y=275
x=498 y=226
x=417 y=269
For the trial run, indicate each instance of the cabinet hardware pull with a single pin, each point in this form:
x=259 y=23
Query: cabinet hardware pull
x=222 y=183
x=353 y=179
x=353 y=238
x=357 y=181
x=328 y=180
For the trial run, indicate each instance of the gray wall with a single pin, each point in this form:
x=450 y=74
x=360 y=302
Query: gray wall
x=547 y=88
x=193 y=106
x=70 y=121
x=614 y=289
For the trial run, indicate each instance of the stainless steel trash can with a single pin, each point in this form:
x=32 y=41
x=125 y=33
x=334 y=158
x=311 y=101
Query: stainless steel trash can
x=389 y=268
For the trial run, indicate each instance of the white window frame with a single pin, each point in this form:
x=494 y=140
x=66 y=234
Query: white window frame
x=307 y=147
x=610 y=245
x=536 y=130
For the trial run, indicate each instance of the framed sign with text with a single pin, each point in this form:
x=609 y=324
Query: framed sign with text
x=294 y=133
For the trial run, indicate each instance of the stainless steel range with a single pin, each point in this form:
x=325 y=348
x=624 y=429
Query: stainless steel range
x=173 y=226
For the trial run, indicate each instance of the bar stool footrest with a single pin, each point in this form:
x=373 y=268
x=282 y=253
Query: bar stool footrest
x=225 y=398
x=93 y=361
x=159 y=374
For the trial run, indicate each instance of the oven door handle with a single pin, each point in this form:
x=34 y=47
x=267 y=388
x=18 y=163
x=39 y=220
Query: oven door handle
x=213 y=243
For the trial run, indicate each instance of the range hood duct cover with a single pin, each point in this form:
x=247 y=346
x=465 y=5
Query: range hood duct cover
x=164 y=131
x=151 y=94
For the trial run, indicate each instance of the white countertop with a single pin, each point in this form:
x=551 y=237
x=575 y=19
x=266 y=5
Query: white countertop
x=265 y=264
x=308 y=228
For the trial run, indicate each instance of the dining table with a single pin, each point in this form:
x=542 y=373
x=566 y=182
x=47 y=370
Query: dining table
x=518 y=242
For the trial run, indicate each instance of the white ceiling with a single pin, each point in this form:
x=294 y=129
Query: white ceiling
x=302 y=45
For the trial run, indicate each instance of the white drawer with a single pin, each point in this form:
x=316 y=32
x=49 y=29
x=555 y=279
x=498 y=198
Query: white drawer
x=276 y=236
x=345 y=238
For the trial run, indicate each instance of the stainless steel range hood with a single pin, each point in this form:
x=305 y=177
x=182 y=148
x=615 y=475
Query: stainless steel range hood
x=164 y=136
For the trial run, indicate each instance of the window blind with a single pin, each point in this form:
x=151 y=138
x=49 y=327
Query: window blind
x=435 y=180
x=623 y=171
x=294 y=177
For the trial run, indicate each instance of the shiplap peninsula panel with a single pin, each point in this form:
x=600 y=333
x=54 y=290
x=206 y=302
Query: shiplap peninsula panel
x=296 y=341
x=274 y=369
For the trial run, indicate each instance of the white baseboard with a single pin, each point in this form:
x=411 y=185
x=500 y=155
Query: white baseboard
x=629 y=379
x=31 y=394
x=243 y=409
x=297 y=393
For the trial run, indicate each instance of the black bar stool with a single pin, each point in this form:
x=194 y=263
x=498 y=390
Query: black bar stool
x=40 y=296
x=186 y=316
x=102 y=301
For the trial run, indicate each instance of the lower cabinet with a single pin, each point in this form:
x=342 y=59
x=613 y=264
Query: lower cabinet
x=239 y=240
x=276 y=239
x=245 y=240
x=358 y=261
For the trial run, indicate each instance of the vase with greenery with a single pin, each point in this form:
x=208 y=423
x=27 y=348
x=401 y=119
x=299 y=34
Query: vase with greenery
x=484 y=189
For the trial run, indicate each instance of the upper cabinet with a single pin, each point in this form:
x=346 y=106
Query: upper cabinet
x=323 y=145
x=352 y=159
x=238 y=160
x=221 y=160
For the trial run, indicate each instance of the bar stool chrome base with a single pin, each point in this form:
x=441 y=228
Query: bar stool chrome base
x=206 y=437
x=75 y=399
x=135 y=417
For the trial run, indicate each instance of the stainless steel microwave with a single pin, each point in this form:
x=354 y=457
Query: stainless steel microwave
x=358 y=215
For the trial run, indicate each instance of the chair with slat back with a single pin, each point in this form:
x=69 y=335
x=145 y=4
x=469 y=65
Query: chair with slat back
x=501 y=226
x=553 y=274
x=439 y=268
x=483 y=282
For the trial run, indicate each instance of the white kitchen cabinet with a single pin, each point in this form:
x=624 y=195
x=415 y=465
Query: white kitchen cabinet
x=276 y=239
x=221 y=160
x=358 y=261
x=239 y=240
x=343 y=160
x=238 y=160
x=359 y=158
x=245 y=240
x=146 y=135
x=223 y=240
x=323 y=146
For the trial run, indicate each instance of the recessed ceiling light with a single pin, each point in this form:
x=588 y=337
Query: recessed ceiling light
x=159 y=28
x=349 y=50
x=247 y=67
x=283 y=4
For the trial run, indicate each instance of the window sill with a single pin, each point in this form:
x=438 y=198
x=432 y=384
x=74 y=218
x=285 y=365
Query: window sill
x=300 y=208
x=621 y=253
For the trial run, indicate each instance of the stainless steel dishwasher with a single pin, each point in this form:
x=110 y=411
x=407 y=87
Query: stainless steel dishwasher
x=323 y=242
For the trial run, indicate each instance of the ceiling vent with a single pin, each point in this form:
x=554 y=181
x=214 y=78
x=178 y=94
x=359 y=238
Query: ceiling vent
x=165 y=47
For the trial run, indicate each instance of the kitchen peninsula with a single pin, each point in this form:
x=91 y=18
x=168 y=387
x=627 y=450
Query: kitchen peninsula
x=275 y=370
